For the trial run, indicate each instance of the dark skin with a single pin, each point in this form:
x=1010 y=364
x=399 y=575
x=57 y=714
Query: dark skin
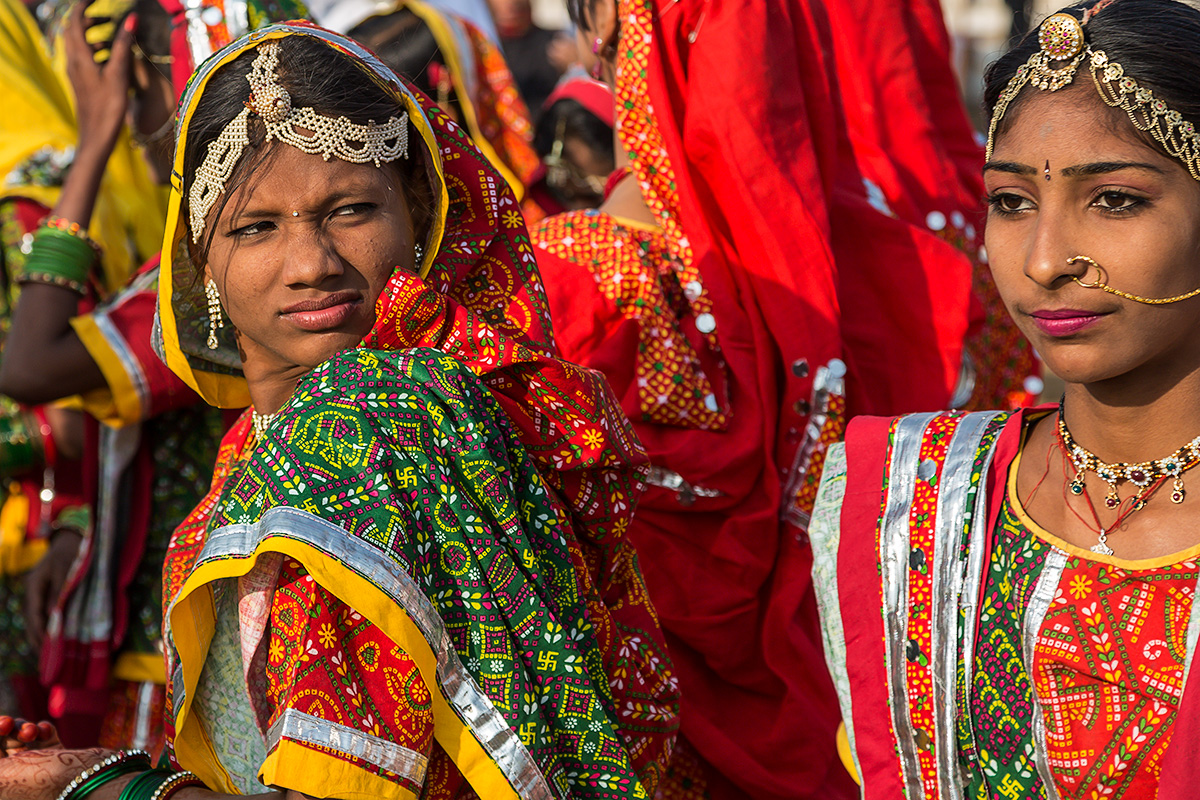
x=44 y=360
x=304 y=231
x=1133 y=373
x=45 y=581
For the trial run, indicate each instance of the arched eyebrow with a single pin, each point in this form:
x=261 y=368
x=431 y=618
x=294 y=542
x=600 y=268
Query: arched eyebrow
x=1105 y=167
x=1077 y=171
x=1010 y=167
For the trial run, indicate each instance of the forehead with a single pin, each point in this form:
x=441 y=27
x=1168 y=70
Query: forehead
x=291 y=177
x=1071 y=125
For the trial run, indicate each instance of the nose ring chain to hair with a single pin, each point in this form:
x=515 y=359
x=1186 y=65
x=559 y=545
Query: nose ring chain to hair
x=1100 y=283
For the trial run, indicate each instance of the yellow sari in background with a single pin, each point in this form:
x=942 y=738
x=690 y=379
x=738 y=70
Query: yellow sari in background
x=37 y=145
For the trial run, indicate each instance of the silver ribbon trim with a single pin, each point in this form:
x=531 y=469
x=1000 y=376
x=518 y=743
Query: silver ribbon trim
x=472 y=705
x=300 y=727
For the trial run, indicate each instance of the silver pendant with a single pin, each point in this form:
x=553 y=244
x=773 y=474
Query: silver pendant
x=1101 y=546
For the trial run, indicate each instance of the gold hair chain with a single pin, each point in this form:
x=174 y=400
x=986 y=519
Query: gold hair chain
x=1063 y=48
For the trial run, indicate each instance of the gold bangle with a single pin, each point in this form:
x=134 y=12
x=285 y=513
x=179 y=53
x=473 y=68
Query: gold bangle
x=174 y=783
x=53 y=280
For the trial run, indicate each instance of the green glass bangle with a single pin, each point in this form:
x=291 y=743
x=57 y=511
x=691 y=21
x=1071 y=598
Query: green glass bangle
x=134 y=763
x=77 y=517
x=18 y=445
x=63 y=239
x=51 y=233
x=145 y=785
x=62 y=245
x=58 y=253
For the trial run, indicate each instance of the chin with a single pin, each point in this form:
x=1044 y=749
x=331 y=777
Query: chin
x=326 y=347
x=1083 y=364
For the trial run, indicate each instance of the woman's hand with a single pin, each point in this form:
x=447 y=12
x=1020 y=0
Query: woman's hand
x=43 y=774
x=18 y=735
x=45 y=581
x=101 y=90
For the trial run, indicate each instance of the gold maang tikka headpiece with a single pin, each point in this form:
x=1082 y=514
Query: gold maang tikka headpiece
x=325 y=136
x=1063 y=47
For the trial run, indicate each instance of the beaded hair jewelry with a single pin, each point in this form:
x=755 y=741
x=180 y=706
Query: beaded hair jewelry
x=1063 y=47
x=323 y=135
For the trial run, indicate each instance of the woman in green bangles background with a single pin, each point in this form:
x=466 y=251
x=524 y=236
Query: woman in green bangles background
x=411 y=576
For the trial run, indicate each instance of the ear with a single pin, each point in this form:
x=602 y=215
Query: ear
x=604 y=27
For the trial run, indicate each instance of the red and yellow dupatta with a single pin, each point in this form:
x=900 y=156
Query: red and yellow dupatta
x=478 y=299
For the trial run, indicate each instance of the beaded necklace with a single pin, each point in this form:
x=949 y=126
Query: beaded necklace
x=261 y=422
x=1148 y=476
x=1141 y=474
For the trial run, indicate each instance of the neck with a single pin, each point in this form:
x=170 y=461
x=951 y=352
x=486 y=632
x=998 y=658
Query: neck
x=269 y=390
x=626 y=199
x=1137 y=417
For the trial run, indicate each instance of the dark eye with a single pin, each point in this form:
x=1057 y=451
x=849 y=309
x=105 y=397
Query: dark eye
x=1009 y=203
x=254 y=229
x=1118 y=201
x=354 y=209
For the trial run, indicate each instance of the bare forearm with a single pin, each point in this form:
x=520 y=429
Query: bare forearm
x=44 y=359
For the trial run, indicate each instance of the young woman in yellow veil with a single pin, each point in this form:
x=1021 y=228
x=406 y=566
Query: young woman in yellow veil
x=411 y=576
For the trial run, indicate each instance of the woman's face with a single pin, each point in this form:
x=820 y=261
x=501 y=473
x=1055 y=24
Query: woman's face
x=1112 y=198
x=300 y=254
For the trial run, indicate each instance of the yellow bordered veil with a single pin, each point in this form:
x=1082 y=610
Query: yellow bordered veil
x=181 y=325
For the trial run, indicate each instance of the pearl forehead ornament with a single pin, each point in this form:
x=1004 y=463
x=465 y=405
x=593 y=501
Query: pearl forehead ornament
x=328 y=137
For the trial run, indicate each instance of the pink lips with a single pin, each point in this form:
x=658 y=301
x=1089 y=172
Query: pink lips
x=1064 y=321
x=324 y=313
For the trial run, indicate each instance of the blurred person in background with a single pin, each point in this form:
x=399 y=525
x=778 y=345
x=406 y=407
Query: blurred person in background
x=762 y=267
x=455 y=64
x=536 y=56
x=148 y=443
x=47 y=503
x=574 y=138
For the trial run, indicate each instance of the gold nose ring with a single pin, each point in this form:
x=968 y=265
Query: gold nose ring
x=1101 y=282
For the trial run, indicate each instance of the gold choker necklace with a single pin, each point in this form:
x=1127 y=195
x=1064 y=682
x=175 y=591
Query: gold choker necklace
x=1144 y=474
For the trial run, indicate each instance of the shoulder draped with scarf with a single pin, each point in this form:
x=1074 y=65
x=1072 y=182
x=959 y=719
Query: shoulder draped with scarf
x=976 y=654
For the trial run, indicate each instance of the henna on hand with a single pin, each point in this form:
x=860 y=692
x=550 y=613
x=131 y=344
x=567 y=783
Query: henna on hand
x=43 y=774
x=18 y=735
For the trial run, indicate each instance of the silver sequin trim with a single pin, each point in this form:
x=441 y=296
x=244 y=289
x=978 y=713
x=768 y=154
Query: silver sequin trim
x=301 y=727
x=485 y=722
